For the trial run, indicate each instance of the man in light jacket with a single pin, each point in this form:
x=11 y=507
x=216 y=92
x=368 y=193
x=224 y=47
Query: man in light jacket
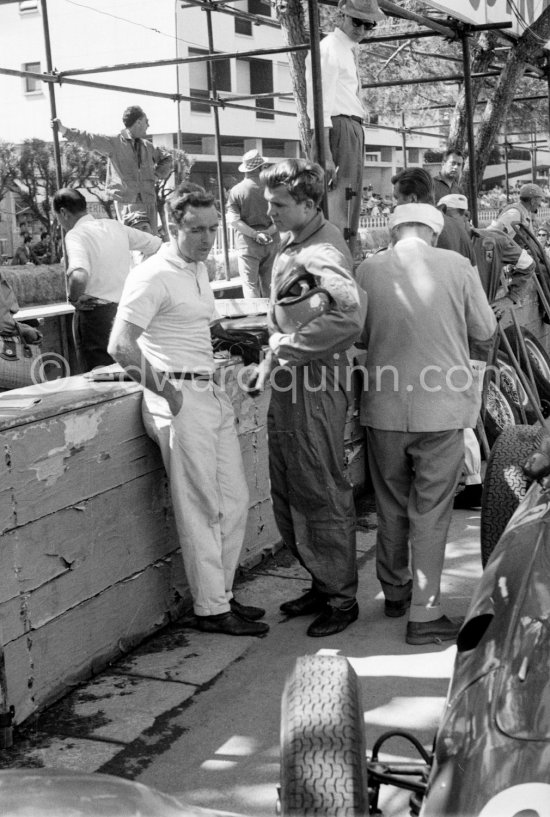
x=134 y=163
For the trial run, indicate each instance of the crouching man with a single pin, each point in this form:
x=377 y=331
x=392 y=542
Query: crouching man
x=161 y=336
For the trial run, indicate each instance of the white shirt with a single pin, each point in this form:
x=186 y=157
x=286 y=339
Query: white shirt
x=101 y=247
x=339 y=78
x=173 y=302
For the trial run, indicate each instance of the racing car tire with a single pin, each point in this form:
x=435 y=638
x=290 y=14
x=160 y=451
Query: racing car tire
x=509 y=383
x=505 y=484
x=540 y=361
x=500 y=412
x=323 y=755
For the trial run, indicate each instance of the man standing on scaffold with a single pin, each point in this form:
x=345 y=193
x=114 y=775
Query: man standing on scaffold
x=343 y=113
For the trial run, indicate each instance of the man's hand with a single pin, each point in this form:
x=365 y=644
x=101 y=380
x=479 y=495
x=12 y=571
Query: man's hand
x=253 y=378
x=331 y=172
x=60 y=126
x=29 y=333
x=84 y=303
x=263 y=238
x=499 y=307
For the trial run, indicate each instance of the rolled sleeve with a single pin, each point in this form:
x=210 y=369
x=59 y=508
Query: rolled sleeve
x=77 y=254
x=142 y=241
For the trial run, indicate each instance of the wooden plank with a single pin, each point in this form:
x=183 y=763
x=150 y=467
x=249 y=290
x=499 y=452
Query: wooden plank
x=45 y=664
x=7 y=508
x=9 y=581
x=261 y=534
x=68 y=557
x=69 y=458
x=256 y=464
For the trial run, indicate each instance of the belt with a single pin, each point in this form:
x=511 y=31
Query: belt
x=188 y=375
x=349 y=116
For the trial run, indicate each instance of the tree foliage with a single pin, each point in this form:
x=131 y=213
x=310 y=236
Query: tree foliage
x=8 y=168
x=164 y=187
x=437 y=103
x=30 y=171
x=36 y=179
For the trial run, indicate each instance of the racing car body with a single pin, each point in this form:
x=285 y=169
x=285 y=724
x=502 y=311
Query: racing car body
x=492 y=751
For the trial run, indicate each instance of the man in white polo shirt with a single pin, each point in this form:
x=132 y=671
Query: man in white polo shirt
x=98 y=252
x=162 y=338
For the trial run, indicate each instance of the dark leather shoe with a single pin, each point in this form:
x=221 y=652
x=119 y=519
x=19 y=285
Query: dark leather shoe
x=397 y=608
x=310 y=602
x=230 y=624
x=332 y=620
x=433 y=632
x=246 y=611
x=469 y=499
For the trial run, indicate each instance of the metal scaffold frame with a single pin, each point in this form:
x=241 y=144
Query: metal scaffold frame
x=452 y=30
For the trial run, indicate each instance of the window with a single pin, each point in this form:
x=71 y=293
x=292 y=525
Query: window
x=32 y=84
x=199 y=79
x=26 y=6
x=259 y=7
x=262 y=7
x=243 y=26
x=261 y=82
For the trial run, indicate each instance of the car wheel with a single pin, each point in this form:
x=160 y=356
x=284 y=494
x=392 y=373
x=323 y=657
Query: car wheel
x=511 y=385
x=505 y=484
x=323 y=756
x=540 y=361
x=500 y=412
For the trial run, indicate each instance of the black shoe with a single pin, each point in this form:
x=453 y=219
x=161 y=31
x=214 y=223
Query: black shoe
x=230 y=624
x=310 y=602
x=333 y=620
x=246 y=611
x=433 y=632
x=397 y=608
x=469 y=499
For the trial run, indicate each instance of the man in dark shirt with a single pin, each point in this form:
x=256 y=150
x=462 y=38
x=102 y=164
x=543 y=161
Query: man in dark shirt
x=448 y=179
x=257 y=239
x=416 y=185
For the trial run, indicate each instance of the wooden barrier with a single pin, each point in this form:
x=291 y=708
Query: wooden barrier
x=89 y=557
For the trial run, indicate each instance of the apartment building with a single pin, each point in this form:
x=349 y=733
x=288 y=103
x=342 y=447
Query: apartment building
x=87 y=34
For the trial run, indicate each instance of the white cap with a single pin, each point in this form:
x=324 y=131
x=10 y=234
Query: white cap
x=417 y=214
x=455 y=200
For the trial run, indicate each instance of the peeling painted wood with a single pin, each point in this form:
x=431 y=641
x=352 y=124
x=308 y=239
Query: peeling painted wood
x=46 y=663
x=71 y=458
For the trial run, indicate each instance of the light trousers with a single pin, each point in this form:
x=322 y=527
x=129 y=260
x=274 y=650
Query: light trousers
x=415 y=476
x=202 y=457
x=255 y=262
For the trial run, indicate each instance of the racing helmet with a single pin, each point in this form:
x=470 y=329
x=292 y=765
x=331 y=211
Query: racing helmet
x=299 y=300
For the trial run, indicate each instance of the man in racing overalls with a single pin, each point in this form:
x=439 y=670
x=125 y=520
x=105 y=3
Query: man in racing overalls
x=311 y=379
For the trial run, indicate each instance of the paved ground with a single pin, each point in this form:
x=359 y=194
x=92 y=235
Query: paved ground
x=197 y=715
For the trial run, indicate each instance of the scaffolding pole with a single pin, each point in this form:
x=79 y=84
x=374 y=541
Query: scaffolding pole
x=51 y=91
x=317 y=92
x=213 y=91
x=468 y=98
x=225 y=55
x=126 y=89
